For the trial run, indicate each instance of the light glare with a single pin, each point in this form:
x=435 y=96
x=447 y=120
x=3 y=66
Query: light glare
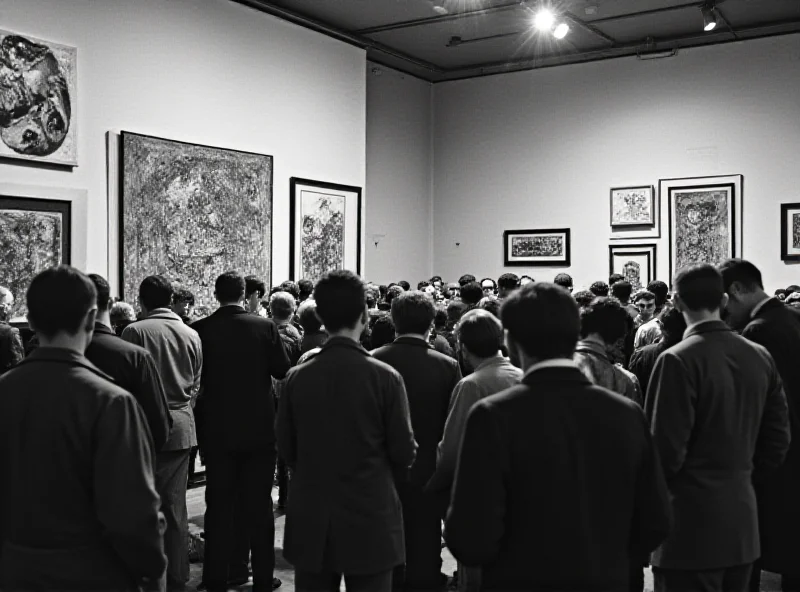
x=710 y=26
x=544 y=20
x=561 y=31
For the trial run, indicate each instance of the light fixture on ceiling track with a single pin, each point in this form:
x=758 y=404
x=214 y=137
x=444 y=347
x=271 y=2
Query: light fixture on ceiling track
x=545 y=20
x=709 y=17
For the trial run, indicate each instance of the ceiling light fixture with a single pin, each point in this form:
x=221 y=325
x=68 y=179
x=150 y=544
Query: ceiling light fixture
x=561 y=31
x=709 y=18
x=544 y=19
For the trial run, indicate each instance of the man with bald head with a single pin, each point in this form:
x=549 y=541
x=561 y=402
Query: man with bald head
x=11 y=352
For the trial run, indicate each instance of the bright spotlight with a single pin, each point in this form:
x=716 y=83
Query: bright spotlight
x=709 y=19
x=544 y=20
x=561 y=31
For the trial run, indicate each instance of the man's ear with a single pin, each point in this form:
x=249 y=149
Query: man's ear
x=91 y=316
x=678 y=303
x=724 y=302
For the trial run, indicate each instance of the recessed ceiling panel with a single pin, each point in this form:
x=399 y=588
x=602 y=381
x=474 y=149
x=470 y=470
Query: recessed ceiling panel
x=748 y=13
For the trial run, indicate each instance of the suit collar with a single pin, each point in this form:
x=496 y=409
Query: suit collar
x=412 y=340
x=163 y=313
x=765 y=306
x=715 y=326
x=592 y=347
x=230 y=310
x=62 y=356
x=338 y=341
x=102 y=329
x=555 y=373
x=497 y=360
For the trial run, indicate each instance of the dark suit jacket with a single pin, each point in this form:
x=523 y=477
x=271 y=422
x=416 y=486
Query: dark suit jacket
x=718 y=414
x=242 y=352
x=344 y=427
x=558 y=486
x=11 y=352
x=135 y=370
x=430 y=378
x=777 y=327
x=642 y=363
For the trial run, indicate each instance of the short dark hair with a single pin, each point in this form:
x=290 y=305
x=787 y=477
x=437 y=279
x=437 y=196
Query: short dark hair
x=103 y=292
x=525 y=277
x=543 y=319
x=58 y=300
x=155 y=291
x=383 y=332
x=230 y=287
x=508 y=281
x=436 y=278
x=660 y=290
x=792 y=289
x=700 y=287
x=744 y=272
x=488 y=279
x=341 y=299
x=599 y=289
x=614 y=278
x=455 y=309
x=606 y=317
x=564 y=280
x=673 y=325
x=423 y=284
x=183 y=295
x=465 y=279
x=471 y=293
x=404 y=284
x=306 y=288
x=643 y=295
x=413 y=312
x=622 y=290
x=584 y=297
x=440 y=320
x=481 y=333
x=393 y=292
x=292 y=288
x=307 y=317
x=490 y=305
x=252 y=284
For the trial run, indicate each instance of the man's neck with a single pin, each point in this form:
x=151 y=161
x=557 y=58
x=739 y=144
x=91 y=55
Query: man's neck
x=527 y=363
x=595 y=338
x=237 y=303
x=353 y=334
x=282 y=322
x=702 y=316
x=104 y=318
x=424 y=336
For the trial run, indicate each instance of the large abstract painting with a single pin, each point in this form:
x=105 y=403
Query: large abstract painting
x=34 y=235
x=191 y=212
x=705 y=220
x=38 y=92
x=790 y=232
x=636 y=263
x=537 y=247
x=325 y=228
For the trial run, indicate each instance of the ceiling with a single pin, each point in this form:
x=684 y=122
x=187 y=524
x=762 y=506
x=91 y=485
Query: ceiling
x=442 y=40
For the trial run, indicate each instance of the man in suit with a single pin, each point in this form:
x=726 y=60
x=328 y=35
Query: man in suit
x=344 y=428
x=178 y=354
x=558 y=484
x=242 y=353
x=719 y=421
x=131 y=366
x=11 y=351
x=430 y=378
x=78 y=506
x=767 y=321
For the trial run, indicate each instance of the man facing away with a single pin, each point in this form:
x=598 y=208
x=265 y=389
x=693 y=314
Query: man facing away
x=506 y=285
x=344 y=428
x=429 y=378
x=11 y=350
x=78 y=506
x=769 y=322
x=178 y=354
x=242 y=353
x=719 y=421
x=558 y=484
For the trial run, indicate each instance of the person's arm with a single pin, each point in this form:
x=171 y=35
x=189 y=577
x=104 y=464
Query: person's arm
x=126 y=501
x=464 y=396
x=278 y=358
x=774 y=435
x=153 y=400
x=397 y=422
x=671 y=401
x=198 y=367
x=474 y=526
x=285 y=427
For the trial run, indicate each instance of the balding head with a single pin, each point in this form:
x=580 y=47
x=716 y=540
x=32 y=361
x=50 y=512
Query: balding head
x=481 y=333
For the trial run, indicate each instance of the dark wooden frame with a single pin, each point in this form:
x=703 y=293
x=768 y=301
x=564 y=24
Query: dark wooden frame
x=293 y=211
x=59 y=206
x=650 y=251
x=566 y=262
x=121 y=189
x=785 y=209
x=633 y=225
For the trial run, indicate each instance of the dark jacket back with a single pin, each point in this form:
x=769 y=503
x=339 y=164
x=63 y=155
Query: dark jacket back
x=242 y=352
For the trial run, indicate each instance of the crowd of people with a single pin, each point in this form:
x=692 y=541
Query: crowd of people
x=566 y=439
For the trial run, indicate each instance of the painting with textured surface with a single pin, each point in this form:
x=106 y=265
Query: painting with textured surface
x=34 y=235
x=38 y=96
x=548 y=247
x=537 y=246
x=702 y=226
x=191 y=212
x=632 y=206
x=796 y=231
x=635 y=262
x=323 y=240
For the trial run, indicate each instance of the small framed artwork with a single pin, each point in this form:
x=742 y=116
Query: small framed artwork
x=325 y=231
x=705 y=219
x=635 y=212
x=636 y=263
x=549 y=247
x=790 y=232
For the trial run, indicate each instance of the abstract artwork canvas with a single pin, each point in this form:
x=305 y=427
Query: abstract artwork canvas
x=191 y=212
x=790 y=232
x=325 y=232
x=705 y=220
x=549 y=247
x=38 y=100
x=636 y=263
x=34 y=235
x=633 y=206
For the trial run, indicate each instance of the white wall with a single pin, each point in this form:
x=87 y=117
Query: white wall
x=205 y=71
x=399 y=176
x=541 y=149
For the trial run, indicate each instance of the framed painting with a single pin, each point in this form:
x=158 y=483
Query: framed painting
x=633 y=206
x=548 y=247
x=191 y=212
x=34 y=234
x=790 y=232
x=325 y=231
x=38 y=100
x=705 y=219
x=636 y=263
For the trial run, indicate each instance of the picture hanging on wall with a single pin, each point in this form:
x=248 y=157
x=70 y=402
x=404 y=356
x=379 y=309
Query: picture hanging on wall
x=191 y=212
x=705 y=219
x=34 y=235
x=325 y=228
x=633 y=206
x=38 y=96
x=636 y=263
x=790 y=232
x=548 y=247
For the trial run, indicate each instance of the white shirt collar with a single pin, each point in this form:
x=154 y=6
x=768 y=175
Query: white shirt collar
x=555 y=363
x=757 y=308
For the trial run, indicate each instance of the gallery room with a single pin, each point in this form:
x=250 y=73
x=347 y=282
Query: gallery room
x=180 y=181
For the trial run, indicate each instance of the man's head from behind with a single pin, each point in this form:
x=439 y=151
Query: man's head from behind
x=479 y=336
x=230 y=288
x=614 y=278
x=62 y=305
x=307 y=317
x=745 y=289
x=465 y=279
x=605 y=318
x=471 y=293
x=282 y=306
x=564 y=280
x=341 y=301
x=700 y=292
x=103 y=291
x=541 y=322
x=622 y=291
x=507 y=283
x=155 y=292
x=599 y=289
x=306 y=288
x=6 y=303
x=413 y=313
x=254 y=290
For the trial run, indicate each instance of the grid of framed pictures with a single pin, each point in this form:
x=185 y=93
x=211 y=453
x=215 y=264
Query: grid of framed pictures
x=635 y=262
x=545 y=247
